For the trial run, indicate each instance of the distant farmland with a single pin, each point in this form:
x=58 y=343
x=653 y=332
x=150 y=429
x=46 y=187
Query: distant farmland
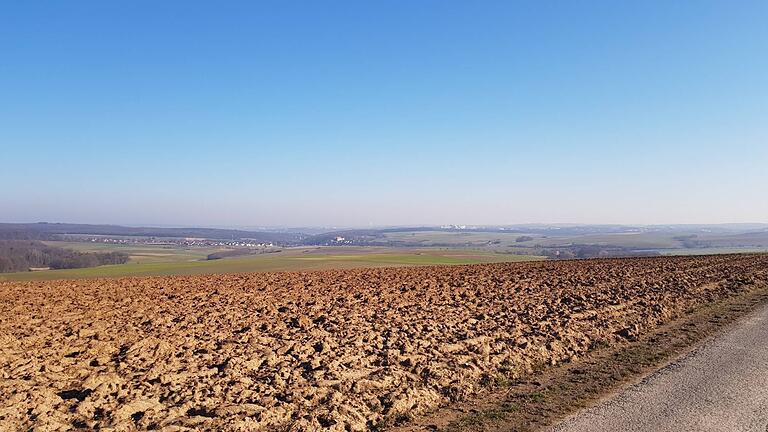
x=160 y=251
x=164 y=260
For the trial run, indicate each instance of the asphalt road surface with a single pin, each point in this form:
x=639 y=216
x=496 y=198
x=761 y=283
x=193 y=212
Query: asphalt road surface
x=721 y=386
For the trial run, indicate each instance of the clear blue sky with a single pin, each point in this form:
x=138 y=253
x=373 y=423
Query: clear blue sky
x=391 y=112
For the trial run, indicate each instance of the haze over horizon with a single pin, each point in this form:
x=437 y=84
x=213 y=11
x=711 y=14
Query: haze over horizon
x=355 y=114
x=327 y=228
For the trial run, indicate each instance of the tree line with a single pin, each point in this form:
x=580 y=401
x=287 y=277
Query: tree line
x=22 y=255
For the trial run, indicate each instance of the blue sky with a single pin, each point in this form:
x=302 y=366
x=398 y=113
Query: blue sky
x=357 y=113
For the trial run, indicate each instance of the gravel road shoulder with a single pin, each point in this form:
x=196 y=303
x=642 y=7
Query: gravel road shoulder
x=721 y=386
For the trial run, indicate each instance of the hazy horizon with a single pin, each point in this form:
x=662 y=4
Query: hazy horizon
x=453 y=224
x=355 y=114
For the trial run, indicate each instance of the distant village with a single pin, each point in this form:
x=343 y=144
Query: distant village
x=168 y=241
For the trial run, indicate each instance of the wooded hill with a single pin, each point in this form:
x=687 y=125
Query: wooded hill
x=22 y=255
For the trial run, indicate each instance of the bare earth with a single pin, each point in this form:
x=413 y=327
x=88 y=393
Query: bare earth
x=329 y=350
x=722 y=386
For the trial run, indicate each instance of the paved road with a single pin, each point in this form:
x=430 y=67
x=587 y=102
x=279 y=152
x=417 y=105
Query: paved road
x=722 y=386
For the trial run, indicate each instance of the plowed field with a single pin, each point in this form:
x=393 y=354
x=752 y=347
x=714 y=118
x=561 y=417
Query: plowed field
x=327 y=350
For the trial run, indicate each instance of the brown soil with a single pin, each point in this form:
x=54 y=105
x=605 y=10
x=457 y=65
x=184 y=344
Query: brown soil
x=333 y=350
